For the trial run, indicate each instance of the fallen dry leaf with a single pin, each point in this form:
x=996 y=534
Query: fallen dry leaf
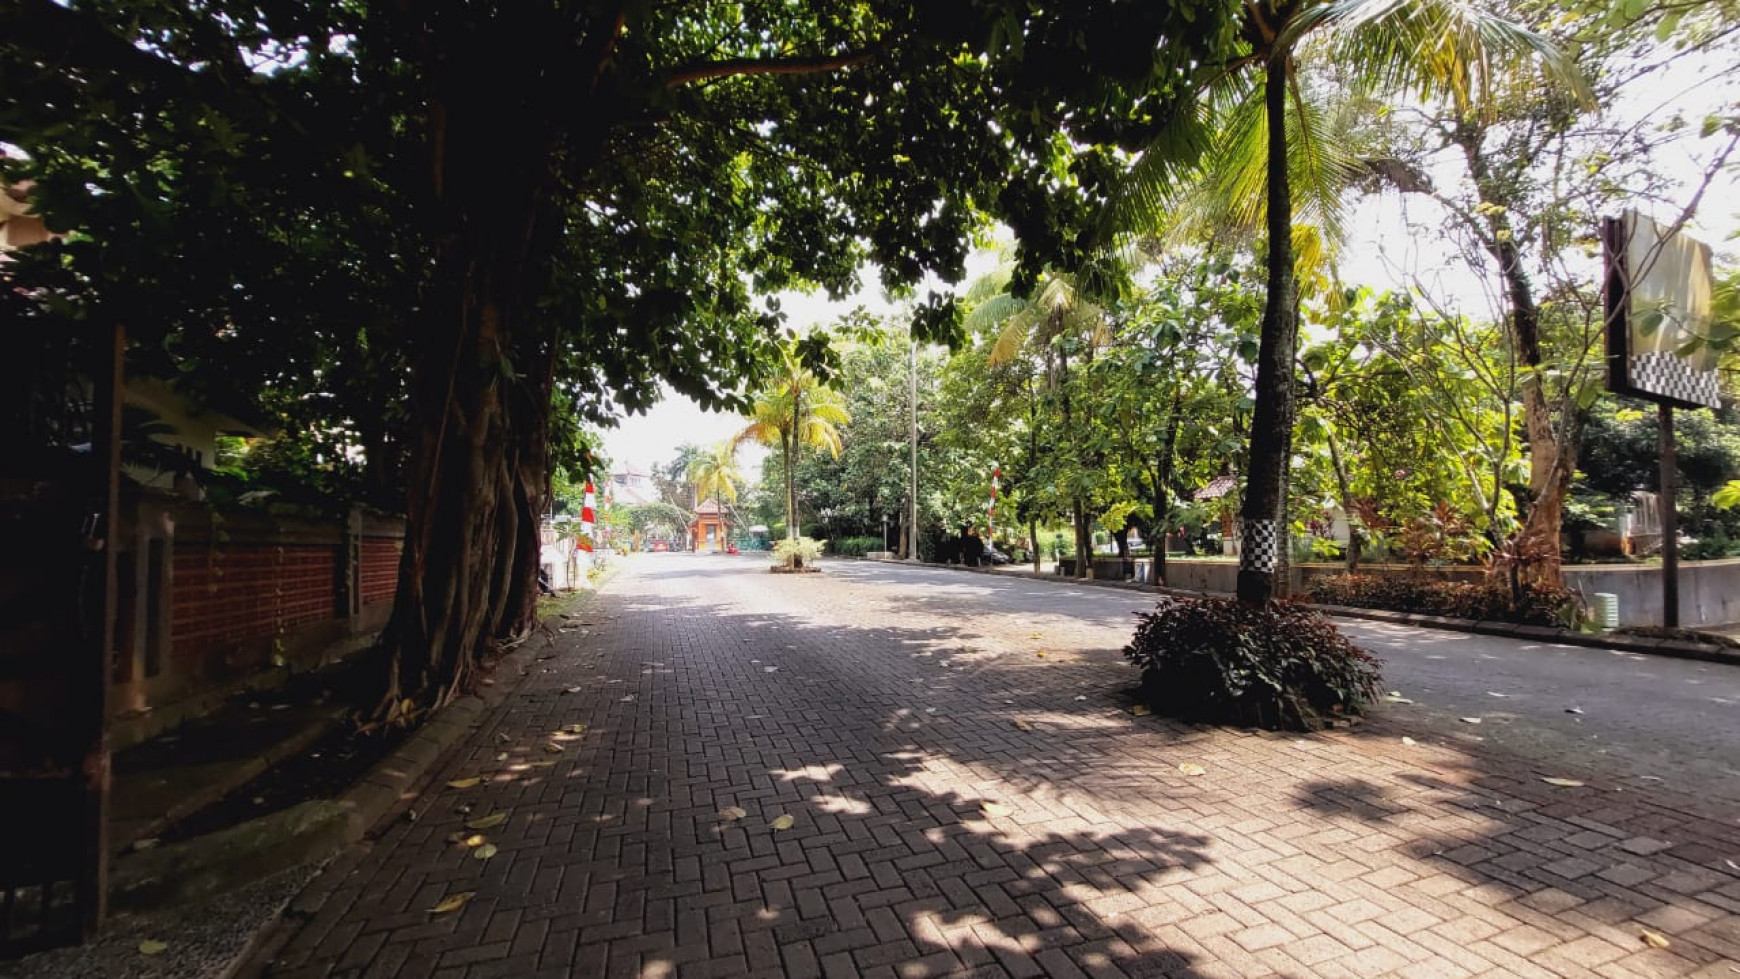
x=485 y=822
x=1040 y=655
x=1655 y=940
x=453 y=902
x=730 y=813
x=1192 y=768
x=465 y=783
x=1568 y=783
x=475 y=840
x=782 y=821
x=576 y=729
x=1470 y=720
x=484 y=852
x=553 y=748
x=1022 y=726
x=1140 y=710
x=1410 y=742
x=145 y=844
x=152 y=946
x=571 y=689
x=995 y=809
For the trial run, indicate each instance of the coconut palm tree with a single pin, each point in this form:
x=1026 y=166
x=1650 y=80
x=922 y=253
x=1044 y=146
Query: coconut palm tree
x=715 y=475
x=796 y=411
x=1268 y=135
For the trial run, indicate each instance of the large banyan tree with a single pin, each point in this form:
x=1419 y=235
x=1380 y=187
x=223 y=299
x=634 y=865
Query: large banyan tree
x=456 y=227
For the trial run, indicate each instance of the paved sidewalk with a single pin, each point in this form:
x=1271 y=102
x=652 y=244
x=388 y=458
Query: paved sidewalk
x=969 y=794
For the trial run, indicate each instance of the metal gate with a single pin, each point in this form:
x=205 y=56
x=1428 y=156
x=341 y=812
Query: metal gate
x=59 y=461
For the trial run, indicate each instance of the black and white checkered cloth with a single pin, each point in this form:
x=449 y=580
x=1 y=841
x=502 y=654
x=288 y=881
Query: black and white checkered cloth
x=1671 y=377
x=1260 y=546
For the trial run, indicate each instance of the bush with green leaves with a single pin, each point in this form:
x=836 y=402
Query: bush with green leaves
x=796 y=553
x=854 y=546
x=1487 y=600
x=1279 y=665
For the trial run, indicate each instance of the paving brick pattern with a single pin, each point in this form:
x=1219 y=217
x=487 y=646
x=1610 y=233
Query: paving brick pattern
x=970 y=795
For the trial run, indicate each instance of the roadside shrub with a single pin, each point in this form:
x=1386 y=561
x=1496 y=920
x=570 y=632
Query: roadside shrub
x=854 y=546
x=1277 y=665
x=1486 y=600
x=797 y=553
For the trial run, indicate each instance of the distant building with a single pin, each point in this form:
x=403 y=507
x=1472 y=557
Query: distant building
x=711 y=528
x=633 y=486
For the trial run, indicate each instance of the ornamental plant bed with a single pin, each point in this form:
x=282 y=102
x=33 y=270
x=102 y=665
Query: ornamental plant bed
x=1481 y=601
x=1280 y=665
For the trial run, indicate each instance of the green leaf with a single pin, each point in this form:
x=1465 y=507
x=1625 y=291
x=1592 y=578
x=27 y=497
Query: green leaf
x=1728 y=497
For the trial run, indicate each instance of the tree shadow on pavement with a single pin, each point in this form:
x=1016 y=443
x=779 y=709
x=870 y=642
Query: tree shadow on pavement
x=959 y=805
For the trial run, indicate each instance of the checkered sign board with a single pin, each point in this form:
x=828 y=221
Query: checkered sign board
x=1658 y=310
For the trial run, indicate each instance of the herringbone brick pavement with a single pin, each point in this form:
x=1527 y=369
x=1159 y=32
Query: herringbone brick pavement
x=969 y=794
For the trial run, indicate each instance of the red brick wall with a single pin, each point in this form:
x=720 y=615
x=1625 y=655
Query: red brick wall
x=230 y=592
x=379 y=574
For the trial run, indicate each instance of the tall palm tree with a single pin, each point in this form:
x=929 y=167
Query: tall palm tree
x=1427 y=49
x=715 y=475
x=796 y=411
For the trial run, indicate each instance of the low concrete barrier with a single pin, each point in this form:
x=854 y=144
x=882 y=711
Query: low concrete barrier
x=1709 y=590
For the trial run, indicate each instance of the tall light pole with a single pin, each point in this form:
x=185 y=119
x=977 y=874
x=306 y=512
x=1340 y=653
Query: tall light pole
x=912 y=490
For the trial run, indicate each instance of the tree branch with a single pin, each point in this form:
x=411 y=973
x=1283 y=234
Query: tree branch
x=732 y=67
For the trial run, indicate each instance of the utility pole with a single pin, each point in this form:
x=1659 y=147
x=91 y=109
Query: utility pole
x=912 y=490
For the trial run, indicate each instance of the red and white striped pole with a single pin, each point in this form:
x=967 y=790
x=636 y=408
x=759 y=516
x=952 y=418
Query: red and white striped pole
x=587 y=517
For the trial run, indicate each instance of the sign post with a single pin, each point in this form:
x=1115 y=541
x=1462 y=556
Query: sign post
x=1657 y=292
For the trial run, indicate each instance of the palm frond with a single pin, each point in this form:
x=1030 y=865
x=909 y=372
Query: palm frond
x=991 y=311
x=1018 y=328
x=1429 y=48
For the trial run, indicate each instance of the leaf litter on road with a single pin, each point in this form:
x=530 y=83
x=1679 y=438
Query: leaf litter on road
x=1564 y=783
x=782 y=821
x=732 y=813
x=453 y=902
x=1192 y=768
x=465 y=783
x=996 y=810
x=487 y=822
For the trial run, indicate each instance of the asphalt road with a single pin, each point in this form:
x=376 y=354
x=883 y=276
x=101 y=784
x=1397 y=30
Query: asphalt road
x=1642 y=720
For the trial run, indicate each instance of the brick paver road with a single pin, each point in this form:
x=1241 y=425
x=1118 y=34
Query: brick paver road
x=969 y=794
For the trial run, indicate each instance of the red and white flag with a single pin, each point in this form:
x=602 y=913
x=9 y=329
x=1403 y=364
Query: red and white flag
x=587 y=517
